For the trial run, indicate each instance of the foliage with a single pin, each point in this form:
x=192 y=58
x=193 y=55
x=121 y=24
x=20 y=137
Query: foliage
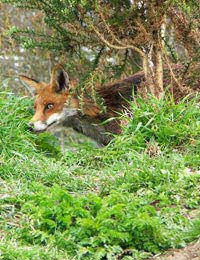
x=122 y=17
x=164 y=122
x=129 y=200
x=15 y=59
x=118 y=37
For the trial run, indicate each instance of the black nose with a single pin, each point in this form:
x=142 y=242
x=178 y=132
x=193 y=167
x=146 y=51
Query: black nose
x=30 y=127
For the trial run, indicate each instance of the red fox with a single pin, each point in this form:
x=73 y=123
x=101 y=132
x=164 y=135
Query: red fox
x=58 y=102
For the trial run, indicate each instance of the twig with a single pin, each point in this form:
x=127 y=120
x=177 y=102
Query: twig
x=117 y=47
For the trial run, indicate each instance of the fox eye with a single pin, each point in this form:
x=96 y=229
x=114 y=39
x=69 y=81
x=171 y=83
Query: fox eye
x=49 y=106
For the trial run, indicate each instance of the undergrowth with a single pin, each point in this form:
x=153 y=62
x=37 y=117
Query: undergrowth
x=129 y=200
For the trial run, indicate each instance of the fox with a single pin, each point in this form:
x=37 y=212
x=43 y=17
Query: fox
x=59 y=103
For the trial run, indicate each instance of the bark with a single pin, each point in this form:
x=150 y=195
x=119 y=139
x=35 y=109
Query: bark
x=154 y=73
x=153 y=67
x=148 y=74
x=158 y=73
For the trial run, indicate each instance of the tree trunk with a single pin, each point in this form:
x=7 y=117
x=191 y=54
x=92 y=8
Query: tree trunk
x=153 y=68
x=148 y=75
x=158 y=72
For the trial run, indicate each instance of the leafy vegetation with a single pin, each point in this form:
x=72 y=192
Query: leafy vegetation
x=117 y=38
x=129 y=200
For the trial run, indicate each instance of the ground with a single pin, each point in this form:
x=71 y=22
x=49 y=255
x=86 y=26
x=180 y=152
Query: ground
x=190 y=252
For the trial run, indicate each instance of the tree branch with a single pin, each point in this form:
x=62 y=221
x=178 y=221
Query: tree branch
x=113 y=46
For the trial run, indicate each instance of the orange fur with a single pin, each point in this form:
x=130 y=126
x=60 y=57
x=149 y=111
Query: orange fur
x=59 y=102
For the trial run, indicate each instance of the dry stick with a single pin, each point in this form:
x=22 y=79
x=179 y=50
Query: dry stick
x=143 y=55
x=109 y=29
x=135 y=63
x=121 y=46
x=111 y=32
x=181 y=87
x=117 y=47
x=145 y=59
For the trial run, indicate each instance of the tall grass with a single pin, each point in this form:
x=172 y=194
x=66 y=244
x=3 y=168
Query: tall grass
x=129 y=200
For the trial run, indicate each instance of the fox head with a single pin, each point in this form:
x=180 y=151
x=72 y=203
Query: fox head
x=53 y=102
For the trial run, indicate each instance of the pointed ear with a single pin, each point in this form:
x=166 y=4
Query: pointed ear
x=31 y=82
x=59 y=79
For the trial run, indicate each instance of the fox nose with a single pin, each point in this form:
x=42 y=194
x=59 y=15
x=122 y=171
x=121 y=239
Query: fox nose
x=31 y=126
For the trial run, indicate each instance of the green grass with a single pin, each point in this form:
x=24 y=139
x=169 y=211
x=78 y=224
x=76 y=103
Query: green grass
x=129 y=200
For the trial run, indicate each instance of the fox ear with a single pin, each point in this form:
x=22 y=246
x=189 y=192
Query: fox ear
x=32 y=82
x=59 y=79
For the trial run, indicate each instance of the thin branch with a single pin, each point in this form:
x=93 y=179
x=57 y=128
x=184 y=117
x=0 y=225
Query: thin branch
x=181 y=87
x=113 y=46
x=109 y=29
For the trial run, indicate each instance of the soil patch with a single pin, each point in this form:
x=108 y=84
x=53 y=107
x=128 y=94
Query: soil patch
x=190 y=252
